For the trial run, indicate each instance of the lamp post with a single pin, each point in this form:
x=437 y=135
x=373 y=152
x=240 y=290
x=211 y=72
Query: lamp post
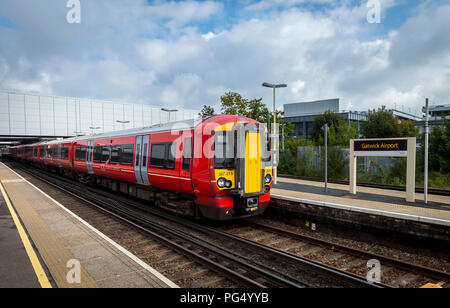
x=93 y=128
x=169 y=111
x=274 y=132
x=123 y=123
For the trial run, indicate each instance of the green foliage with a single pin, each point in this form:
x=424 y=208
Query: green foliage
x=439 y=180
x=256 y=110
x=289 y=161
x=382 y=123
x=439 y=149
x=336 y=165
x=206 y=111
x=339 y=133
x=234 y=104
x=329 y=117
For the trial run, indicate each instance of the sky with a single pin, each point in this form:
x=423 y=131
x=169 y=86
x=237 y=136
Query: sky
x=188 y=53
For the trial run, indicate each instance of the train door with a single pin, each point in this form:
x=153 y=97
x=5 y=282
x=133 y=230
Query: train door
x=186 y=163
x=249 y=170
x=59 y=155
x=141 y=159
x=90 y=151
x=73 y=147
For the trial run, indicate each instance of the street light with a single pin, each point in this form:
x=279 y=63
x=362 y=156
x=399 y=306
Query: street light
x=274 y=133
x=169 y=111
x=123 y=123
x=93 y=128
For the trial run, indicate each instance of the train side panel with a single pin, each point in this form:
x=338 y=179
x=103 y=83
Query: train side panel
x=163 y=160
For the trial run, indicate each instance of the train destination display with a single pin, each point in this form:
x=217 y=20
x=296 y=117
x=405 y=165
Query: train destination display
x=381 y=147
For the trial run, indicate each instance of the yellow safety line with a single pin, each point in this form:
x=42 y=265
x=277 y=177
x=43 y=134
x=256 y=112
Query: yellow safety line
x=38 y=269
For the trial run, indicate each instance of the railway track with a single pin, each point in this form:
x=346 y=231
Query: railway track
x=211 y=258
x=240 y=261
x=420 y=190
x=329 y=253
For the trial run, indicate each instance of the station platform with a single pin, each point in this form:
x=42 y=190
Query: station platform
x=369 y=201
x=43 y=244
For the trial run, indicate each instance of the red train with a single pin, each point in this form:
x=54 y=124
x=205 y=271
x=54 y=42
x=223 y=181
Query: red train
x=219 y=168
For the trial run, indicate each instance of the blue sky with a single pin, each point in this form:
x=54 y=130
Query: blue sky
x=188 y=53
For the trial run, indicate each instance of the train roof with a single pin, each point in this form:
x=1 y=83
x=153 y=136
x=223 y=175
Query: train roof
x=180 y=125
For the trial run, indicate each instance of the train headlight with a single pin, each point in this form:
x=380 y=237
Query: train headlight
x=221 y=182
x=228 y=184
x=268 y=179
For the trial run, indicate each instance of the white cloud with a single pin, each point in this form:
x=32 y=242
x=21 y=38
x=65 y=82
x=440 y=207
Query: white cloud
x=156 y=54
x=208 y=36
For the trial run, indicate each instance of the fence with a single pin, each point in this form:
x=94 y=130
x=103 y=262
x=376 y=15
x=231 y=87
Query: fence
x=309 y=162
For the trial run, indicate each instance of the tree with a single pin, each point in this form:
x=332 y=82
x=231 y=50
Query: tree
x=234 y=104
x=256 y=110
x=382 y=123
x=206 y=111
x=440 y=147
x=329 y=117
x=339 y=133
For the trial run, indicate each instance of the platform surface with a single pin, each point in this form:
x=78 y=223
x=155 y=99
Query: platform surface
x=16 y=270
x=370 y=200
x=60 y=237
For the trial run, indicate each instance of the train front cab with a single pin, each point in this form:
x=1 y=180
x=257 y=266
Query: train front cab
x=240 y=172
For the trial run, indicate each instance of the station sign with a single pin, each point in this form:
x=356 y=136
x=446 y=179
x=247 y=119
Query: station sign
x=394 y=147
x=382 y=147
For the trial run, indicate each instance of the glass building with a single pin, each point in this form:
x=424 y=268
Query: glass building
x=302 y=115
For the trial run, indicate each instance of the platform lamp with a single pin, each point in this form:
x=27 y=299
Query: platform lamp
x=169 y=111
x=93 y=128
x=274 y=133
x=123 y=123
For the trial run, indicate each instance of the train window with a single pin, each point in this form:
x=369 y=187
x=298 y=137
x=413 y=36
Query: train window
x=127 y=154
x=163 y=155
x=106 y=154
x=267 y=156
x=97 y=154
x=171 y=151
x=138 y=154
x=41 y=152
x=144 y=155
x=28 y=152
x=80 y=154
x=187 y=153
x=116 y=151
x=158 y=155
x=223 y=156
x=65 y=153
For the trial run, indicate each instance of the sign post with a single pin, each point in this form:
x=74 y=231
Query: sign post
x=325 y=129
x=395 y=147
